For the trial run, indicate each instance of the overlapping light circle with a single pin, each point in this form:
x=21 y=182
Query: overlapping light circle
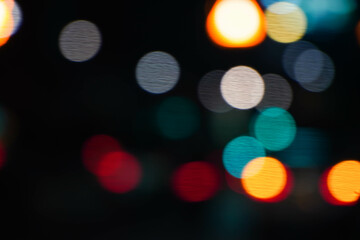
x=278 y=92
x=242 y=87
x=236 y=23
x=239 y=151
x=275 y=128
x=286 y=22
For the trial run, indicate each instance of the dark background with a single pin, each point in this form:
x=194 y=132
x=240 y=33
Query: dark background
x=53 y=105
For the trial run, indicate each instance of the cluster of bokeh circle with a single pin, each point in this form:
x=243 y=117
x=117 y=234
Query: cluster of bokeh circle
x=272 y=129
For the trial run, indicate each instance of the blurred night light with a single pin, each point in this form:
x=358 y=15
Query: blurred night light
x=80 y=41
x=157 y=72
x=310 y=148
x=196 y=181
x=209 y=92
x=340 y=185
x=328 y=16
x=308 y=66
x=95 y=148
x=275 y=128
x=291 y=54
x=6 y=20
x=242 y=87
x=266 y=179
x=303 y=71
x=286 y=22
x=2 y=155
x=236 y=23
x=239 y=151
x=17 y=17
x=278 y=92
x=267 y=3
x=119 y=172
x=177 y=118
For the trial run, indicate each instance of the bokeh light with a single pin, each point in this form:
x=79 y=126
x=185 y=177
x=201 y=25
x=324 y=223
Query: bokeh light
x=291 y=54
x=95 y=148
x=196 y=181
x=266 y=179
x=17 y=17
x=177 y=118
x=286 y=22
x=310 y=148
x=328 y=16
x=340 y=185
x=239 y=151
x=278 y=92
x=242 y=87
x=325 y=77
x=275 y=128
x=80 y=41
x=236 y=23
x=157 y=72
x=119 y=172
x=209 y=92
x=6 y=20
x=267 y=3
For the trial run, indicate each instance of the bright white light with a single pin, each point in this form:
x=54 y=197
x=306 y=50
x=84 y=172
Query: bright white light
x=242 y=87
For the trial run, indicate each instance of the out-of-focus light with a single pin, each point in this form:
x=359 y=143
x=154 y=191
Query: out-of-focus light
x=357 y=32
x=340 y=185
x=2 y=155
x=286 y=22
x=119 y=172
x=6 y=20
x=291 y=54
x=209 y=92
x=266 y=179
x=17 y=16
x=267 y=3
x=239 y=151
x=80 y=41
x=157 y=72
x=275 y=128
x=328 y=16
x=309 y=149
x=242 y=87
x=236 y=23
x=308 y=66
x=234 y=183
x=177 y=118
x=278 y=92
x=196 y=181
x=95 y=148
x=324 y=79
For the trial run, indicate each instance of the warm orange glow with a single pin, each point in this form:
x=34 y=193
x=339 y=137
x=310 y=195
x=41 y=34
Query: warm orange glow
x=236 y=23
x=266 y=179
x=6 y=20
x=343 y=183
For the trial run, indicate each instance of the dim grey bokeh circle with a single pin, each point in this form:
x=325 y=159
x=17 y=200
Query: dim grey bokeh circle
x=157 y=72
x=291 y=53
x=325 y=79
x=80 y=41
x=17 y=16
x=308 y=66
x=278 y=93
x=209 y=92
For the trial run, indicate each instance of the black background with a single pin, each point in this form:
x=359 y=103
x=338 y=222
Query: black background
x=54 y=105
